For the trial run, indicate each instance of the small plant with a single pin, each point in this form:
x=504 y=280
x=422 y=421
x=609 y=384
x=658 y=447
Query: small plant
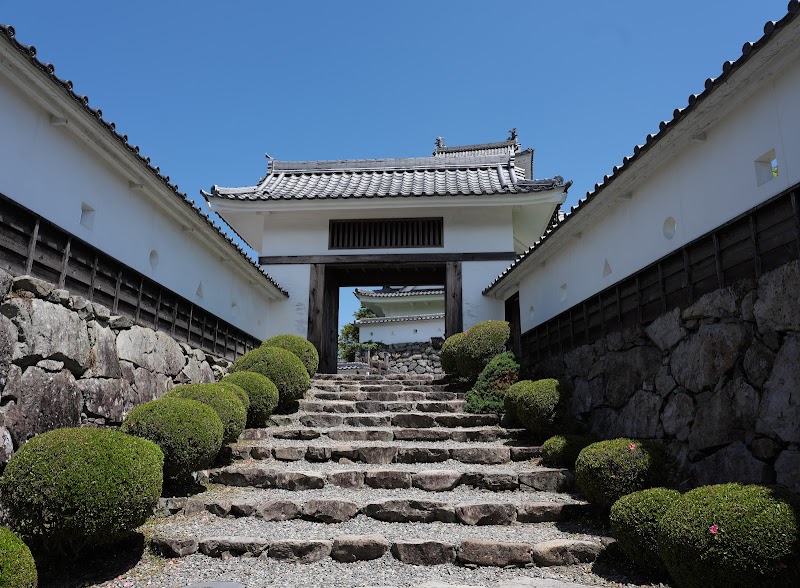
x=223 y=399
x=17 y=568
x=188 y=432
x=481 y=343
x=451 y=349
x=536 y=405
x=561 y=451
x=635 y=522
x=608 y=470
x=70 y=489
x=282 y=367
x=488 y=394
x=732 y=535
x=302 y=348
x=262 y=392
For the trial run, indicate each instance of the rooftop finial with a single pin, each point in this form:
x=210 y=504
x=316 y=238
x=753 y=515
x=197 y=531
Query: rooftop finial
x=439 y=142
x=512 y=134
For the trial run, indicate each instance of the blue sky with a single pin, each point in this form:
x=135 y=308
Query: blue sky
x=206 y=88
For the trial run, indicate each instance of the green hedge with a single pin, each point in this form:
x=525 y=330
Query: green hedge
x=302 y=348
x=608 y=470
x=537 y=405
x=223 y=399
x=188 y=432
x=451 y=349
x=262 y=392
x=561 y=451
x=731 y=535
x=283 y=367
x=635 y=522
x=70 y=489
x=17 y=568
x=481 y=343
x=488 y=394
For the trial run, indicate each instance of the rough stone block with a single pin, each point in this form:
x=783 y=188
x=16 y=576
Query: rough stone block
x=351 y=548
x=424 y=553
x=486 y=514
x=494 y=553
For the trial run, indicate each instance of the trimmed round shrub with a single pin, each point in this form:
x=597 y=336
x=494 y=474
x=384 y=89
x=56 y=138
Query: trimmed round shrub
x=241 y=394
x=17 y=568
x=561 y=451
x=223 y=399
x=451 y=349
x=608 y=470
x=283 y=367
x=634 y=523
x=262 y=392
x=188 y=432
x=481 y=343
x=302 y=348
x=488 y=394
x=70 y=489
x=732 y=535
x=535 y=405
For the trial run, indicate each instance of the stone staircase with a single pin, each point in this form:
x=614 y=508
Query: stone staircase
x=387 y=469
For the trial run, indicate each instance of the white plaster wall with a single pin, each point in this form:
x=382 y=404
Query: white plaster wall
x=478 y=229
x=408 y=306
x=475 y=275
x=48 y=170
x=290 y=315
x=405 y=332
x=706 y=185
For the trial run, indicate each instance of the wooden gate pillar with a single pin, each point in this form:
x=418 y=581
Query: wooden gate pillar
x=453 y=307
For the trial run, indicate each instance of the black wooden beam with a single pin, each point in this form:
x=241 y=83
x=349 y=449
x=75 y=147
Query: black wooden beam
x=386 y=258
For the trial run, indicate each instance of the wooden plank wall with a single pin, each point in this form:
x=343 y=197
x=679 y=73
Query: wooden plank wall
x=758 y=241
x=29 y=244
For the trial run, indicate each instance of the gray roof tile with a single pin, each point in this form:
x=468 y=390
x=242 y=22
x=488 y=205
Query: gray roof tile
x=461 y=175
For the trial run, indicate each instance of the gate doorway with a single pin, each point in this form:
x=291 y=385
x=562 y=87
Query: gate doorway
x=327 y=278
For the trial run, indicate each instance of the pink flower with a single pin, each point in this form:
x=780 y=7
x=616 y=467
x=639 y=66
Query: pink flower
x=631 y=446
x=713 y=529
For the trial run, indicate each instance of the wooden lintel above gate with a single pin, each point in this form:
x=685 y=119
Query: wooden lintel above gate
x=386 y=258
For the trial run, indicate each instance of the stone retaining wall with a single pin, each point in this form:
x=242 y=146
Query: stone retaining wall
x=414 y=358
x=719 y=382
x=65 y=362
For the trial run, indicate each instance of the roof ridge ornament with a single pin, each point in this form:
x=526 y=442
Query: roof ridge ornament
x=512 y=134
x=439 y=142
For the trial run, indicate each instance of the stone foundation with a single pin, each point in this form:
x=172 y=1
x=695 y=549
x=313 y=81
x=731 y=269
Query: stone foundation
x=414 y=358
x=719 y=382
x=66 y=362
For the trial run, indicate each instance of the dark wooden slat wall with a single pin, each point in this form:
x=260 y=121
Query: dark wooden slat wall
x=762 y=239
x=401 y=233
x=30 y=244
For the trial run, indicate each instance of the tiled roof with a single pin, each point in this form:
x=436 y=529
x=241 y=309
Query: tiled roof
x=29 y=51
x=498 y=148
x=711 y=85
x=389 y=178
x=400 y=293
x=400 y=319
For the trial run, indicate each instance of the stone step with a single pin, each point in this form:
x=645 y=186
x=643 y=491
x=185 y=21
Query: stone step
x=422 y=477
x=375 y=406
x=383 y=396
x=299 y=497
x=368 y=452
x=468 y=434
x=386 y=378
x=380 y=389
x=403 y=420
x=361 y=548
